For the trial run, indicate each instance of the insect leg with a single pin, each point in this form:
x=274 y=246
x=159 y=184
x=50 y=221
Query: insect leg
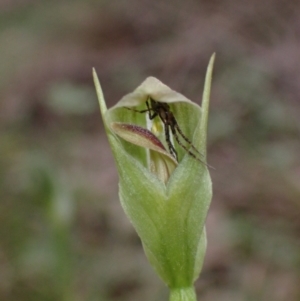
x=138 y=111
x=186 y=139
x=173 y=129
x=154 y=114
x=170 y=145
x=149 y=109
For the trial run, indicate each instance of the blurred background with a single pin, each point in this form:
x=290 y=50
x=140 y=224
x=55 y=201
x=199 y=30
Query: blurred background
x=63 y=234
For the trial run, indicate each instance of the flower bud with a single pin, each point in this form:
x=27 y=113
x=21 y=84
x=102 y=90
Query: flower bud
x=165 y=193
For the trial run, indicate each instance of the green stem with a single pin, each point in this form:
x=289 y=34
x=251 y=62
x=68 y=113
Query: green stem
x=183 y=294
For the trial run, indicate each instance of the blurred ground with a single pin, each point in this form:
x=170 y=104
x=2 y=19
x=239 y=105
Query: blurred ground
x=63 y=235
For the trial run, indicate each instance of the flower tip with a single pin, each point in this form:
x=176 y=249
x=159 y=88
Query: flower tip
x=212 y=61
x=99 y=92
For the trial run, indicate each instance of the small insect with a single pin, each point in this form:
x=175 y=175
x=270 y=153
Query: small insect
x=162 y=109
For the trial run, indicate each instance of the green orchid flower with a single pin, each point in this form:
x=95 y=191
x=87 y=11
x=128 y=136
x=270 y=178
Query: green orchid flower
x=164 y=182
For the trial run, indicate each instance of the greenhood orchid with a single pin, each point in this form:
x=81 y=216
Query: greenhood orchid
x=166 y=197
